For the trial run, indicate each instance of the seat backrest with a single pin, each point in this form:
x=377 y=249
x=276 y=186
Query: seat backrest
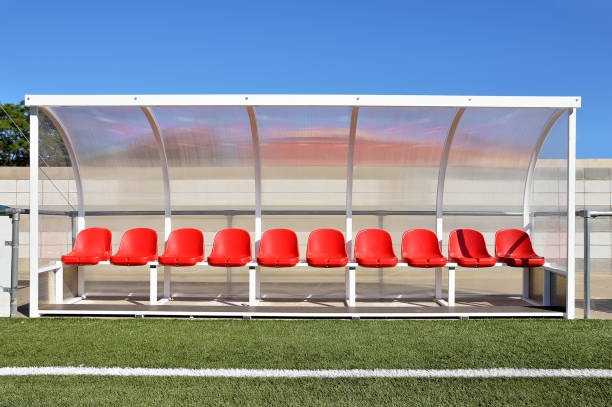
x=139 y=241
x=513 y=243
x=326 y=243
x=467 y=243
x=93 y=241
x=279 y=243
x=420 y=243
x=374 y=243
x=186 y=242
x=232 y=243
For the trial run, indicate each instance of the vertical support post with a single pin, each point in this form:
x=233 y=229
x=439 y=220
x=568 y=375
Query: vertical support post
x=59 y=283
x=570 y=309
x=14 y=262
x=451 y=286
x=546 y=292
x=257 y=170
x=587 y=264
x=73 y=225
x=254 y=274
x=229 y=270
x=438 y=294
x=153 y=284
x=81 y=282
x=381 y=271
x=34 y=212
x=350 y=283
x=442 y=173
x=525 y=282
x=167 y=282
x=253 y=285
x=349 y=183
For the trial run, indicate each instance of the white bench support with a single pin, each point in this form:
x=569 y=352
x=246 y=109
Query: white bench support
x=349 y=284
x=59 y=283
x=254 y=283
x=153 y=283
x=167 y=282
x=81 y=282
x=451 y=285
x=438 y=294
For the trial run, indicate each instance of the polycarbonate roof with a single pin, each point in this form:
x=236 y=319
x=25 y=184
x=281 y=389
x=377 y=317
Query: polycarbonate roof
x=204 y=151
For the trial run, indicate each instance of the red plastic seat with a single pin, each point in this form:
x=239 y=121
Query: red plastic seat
x=138 y=247
x=185 y=247
x=467 y=248
x=231 y=248
x=91 y=246
x=374 y=248
x=513 y=247
x=278 y=248
x=420 y=248
x=326 y=248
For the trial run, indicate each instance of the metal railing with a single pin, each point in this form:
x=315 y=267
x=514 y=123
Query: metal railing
x=588 y=215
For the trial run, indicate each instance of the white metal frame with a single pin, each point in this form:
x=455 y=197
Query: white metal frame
x=47 y=102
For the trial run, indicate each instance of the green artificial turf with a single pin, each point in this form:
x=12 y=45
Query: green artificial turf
x=304 y=344
x=83 y=391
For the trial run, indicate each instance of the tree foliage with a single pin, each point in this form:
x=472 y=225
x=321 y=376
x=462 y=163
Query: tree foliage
x=14 y=148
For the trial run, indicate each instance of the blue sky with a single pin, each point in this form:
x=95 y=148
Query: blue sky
x=526 y=47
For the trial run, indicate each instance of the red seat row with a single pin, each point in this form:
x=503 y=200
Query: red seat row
x=326 y=248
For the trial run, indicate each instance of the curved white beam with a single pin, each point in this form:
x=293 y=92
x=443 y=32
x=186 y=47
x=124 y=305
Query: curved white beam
x=537 y=149
x=164 y=166
x=442 y=173
x=75 y=164
x=257 y=169
x=349 y=182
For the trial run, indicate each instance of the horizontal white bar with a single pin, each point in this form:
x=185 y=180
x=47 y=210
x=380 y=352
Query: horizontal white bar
x=304 y=100
x=547 y=267
x=303 y=373
x=304 y=264
x=52 y=267
x=264 y=314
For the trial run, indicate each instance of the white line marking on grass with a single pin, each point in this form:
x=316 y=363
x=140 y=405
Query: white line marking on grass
x=296 y=373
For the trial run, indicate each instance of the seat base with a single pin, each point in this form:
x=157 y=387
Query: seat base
x=427 y=262
x=523 y=261
x=228 y=261
x=76 y=259
x=475 y=262
x=131 y=261
x=178 y=261
x=376 y=262
x=326 y=263
x=277 y=261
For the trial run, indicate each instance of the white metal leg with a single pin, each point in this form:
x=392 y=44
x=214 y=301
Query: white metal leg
x=80 y=282
x=167 y=281
x=59 y=284
x=253 y=283
x=350 y=282
x=546 y=291
x=438 y=283
x=451 y=286
x=153 y=284
x=525 y=283
x=258 y=282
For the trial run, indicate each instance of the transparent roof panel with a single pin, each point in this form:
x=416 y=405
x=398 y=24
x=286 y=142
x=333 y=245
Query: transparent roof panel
x=304 y=154
x=210 y=156
x=489 y=157
x=397 y=156
x=548 y=201
x=118 y=157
